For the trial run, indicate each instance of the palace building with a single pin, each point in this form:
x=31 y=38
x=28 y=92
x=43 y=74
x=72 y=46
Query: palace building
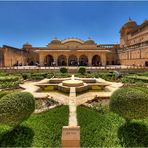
x=132 y=50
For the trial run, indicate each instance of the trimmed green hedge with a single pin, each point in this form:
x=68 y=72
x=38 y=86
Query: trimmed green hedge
x=130 y=103
x=97 y=129
x=9 y=81
x=36 y=76
x=135 y=79
x=40 y=130
x=16 y=107
x=144 y=89
x=63 y=70
x=26 y=76
x=62 y=75
x=104 y=75
x=82 y=70
x=3 y=93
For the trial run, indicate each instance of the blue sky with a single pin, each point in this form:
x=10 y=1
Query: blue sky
x=39 y=22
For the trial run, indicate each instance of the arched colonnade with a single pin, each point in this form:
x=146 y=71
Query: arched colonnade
x=72 y=60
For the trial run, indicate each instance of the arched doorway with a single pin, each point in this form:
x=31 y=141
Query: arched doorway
x=48 y=60
x=72 y=60
x=96 y=60
x=83 y=60
x=62 y=60
x=146 y=63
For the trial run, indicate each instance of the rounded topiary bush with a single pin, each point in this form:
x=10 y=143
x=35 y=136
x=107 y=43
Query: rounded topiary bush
x=49 y=75
x=26 y=76
x=3 y=93
x=129 y=103
x=16 y=107
x=82 y=70
x=63 y=70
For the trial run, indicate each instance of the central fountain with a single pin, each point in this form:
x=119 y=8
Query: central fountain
x=72 y=82
x=78 y=84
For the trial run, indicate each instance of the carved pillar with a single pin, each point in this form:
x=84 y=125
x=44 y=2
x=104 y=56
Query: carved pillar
x=89 y=60
x=103 y=59
x=66 y=60
x=78 y=56
x=41 y=59
x=55 y=59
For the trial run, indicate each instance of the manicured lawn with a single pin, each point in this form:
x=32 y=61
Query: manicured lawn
x=109 y=130
x=42 y=130
x=138 y=77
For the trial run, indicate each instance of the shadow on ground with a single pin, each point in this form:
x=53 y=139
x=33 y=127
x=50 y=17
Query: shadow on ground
x=20 y=137
x=133 y=135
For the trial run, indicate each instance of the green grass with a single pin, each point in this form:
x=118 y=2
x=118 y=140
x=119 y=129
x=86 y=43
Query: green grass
x=138 y=77
x=42 y=130
x=109 y=130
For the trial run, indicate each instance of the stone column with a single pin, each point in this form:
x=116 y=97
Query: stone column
x=55 y=58
x=67 y=60
x=78 y=56
x=41 y=59
x=89 y=60
x=103 y=59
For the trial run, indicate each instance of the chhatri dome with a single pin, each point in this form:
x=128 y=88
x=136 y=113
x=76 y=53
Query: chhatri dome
x=55 y=41
x=89 y=41
x=130 y=23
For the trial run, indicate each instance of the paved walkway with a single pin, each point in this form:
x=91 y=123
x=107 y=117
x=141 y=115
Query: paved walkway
x=113 y=86
x=72 y=107
x=63 y=99
x=33 y=89
x=72 y=100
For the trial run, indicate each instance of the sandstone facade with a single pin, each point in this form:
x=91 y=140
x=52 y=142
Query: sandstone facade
x=132 y=50
x=133 y=44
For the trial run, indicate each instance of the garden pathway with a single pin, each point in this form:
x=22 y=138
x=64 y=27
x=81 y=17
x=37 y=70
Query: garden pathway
x=113 y=86
x=63 y=99
x=33 y=89
x=72 y=107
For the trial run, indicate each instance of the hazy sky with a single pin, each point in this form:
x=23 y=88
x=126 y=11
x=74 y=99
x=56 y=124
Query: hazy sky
x=39 y=22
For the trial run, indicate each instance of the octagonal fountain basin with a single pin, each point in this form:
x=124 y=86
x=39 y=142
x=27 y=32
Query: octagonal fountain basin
x=81 y=85
x=78 y=84
x=73 y=83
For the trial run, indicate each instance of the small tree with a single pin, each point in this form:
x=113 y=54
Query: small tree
x=82 y=70
x=63 y=70
x=16 y=107
x=129 y=103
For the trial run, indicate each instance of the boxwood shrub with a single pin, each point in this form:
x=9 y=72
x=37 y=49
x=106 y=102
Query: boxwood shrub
x=9 y=81
x=26 y=76
x=16 y=107
x=9 y=78
x=3 y=93
x=130 y=103
x=49 y=75
x=82 y=70
x=63 y=70
x=142 y=88
x=38 y=76
x=62 y=75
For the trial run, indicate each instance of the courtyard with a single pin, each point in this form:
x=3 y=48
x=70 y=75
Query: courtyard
x=73 y=74
x=81 y=99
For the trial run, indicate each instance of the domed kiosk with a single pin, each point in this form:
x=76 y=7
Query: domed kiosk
x=89 y=42
x=55 y=41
